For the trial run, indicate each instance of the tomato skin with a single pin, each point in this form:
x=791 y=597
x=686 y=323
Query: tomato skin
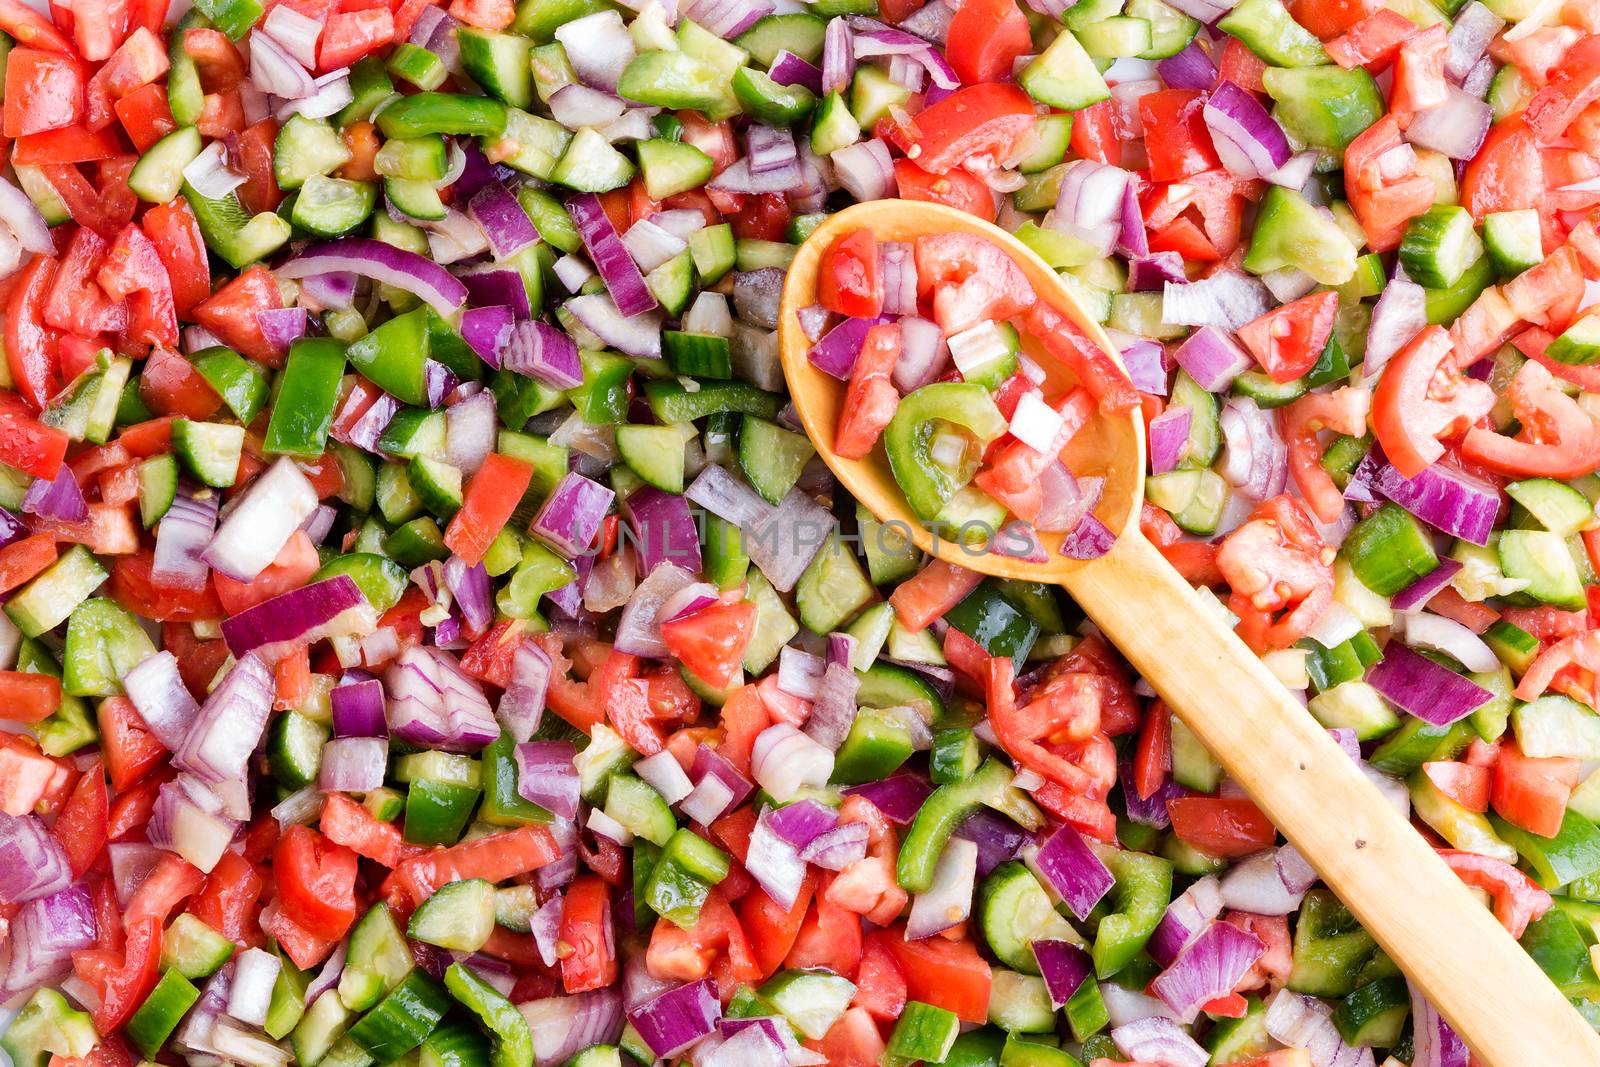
x=762 y=217
x=985 y=39
x=1229 y=827
x=1094 y=133
x=772 y=930
x=1507 y=173
x=30 y=27
x=1280 y=572
x=829 y=937
x=133 y=271
x=44 y=91
x=1330 y=18
x=1464 y=783
x=131 y=750
x=1288 y=340
x=1095 y=370
x=870 y=398
x=175 y=232
x=1573 y=87
x=1420 y=398
x=980 y=124
x=170 y=385
x=947 y=974
x=1518 y=900
x=847 y=279
x=711 y=641
x=231 y=899
x=316 y=882
x=133 y=588
x=349 y=35
x=123 y=979
x=1176 y=136
x=585 y=925
x=1536 y=400
x=954 y=188
x=1532 y=793
x=28 y=339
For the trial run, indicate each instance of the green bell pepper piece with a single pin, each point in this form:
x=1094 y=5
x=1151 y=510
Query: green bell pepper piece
x=394 y=356
x=1558 y=947
x=603 y=396
x=1139 y=898
x=513 y=1040
x=681 y=879
x=910 y=434
x=238 y=381
x=232 y=17
x=502 y=804
x=437 y=811
x=48 y=1025
x=946 y=809
x=308 y=391
x=1330 y=947
x=161 y=1013
x=1572 y=854
x=453 y=113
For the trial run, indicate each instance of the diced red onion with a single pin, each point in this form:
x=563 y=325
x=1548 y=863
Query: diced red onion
x=1444 y=497
x=1184 y=918
x=353 y=764
x=873 y=38
x=637 y=334
x=1335 y=626
x=865 y=169
x=274 y=628
x=435 y=704
x=1474 y=27
x=546 y=776
x=1399 y=315
x=790 y=69
x=180 y=825
x=727 y=497
x=899 y=796
x=218 y=745
x=799 y=672
x=570 y=518
x=802 y=822
x=1414 y=596
x=1271 y=882
x=784 y=761
x=1304 y=1022
x=711 y=766
x=1208 y=968
x=1071 y=868
x=638 y=632
x=1295 y=173
x=1168 y=434
x=1226 y=299
x=783 y=542
x=1436 y=1043
x=1420 y=686
x=185 y=532
x=833 y=711
x=923 y=354
x=358 y=709
x=1157 y=1040
x=838 y=56
x=665 y=775
x=45 y=933
x=157 y=691
x=1255 y=460
x=566 y=1025
x=756 y=295
x=836 y=849
x=1151 y=273
x=839 y=348
x=1247 y=138
x=1090 y=539
x=1212 y=358
x=677 y=1018
x=1427 y=630
x=1191 y=68
x=1456 y=127
x=1064 y=966
x=19 y=215
x=664 y=530
x=774 y=863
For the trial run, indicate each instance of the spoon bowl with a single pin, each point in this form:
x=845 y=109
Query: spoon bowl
x=1112 y=448
x=1181 y=641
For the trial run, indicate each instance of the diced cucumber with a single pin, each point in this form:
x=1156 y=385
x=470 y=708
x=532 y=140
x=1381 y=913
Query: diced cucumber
x=1439 y=245
x=158 y=176
x=459 y=915
x=1513 y=241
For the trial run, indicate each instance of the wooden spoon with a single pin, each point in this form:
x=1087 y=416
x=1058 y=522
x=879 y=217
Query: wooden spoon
x=1443 y=937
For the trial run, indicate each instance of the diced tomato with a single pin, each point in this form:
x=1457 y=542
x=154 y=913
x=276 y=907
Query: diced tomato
x=494 y=858
x=711 y=642
x=985 y=39
x=1094 y=133
x=1419 y=81
x=254 y=152
x=294 y=565
x=22 y=560
x=349 y=824
x=870 y=399
x=77 y=303
x=175 y=232
x=978 y=125
x=931 y=592
x=70 y=144
x=231 y=899
x=947 y=974
x=1175 y=134
x=44 y=91
x=586 y=928
x=970 y=278
x=31 y=28
x=1382 y=184
x=743 y=717
x=1373 y=42
x=1420 y=398
x=230 y=313
x=1343 y=410
x=1506 y=174
x=315 y=878
x=830 y=937
x=1556 y=440
x=349 y=35
x=852 y=1041
x=484 y=14
x=1288 y=340
x=1463 y=783
x=1152 y=757
x=28 y=355
x=29 y=697
x=134 y=589
x=847 y=277
x=1094 y=368
x=133 y=271
x=880 y=984
x=1518 y=900
x=81 y=826
x=122 y=979
x=771 y=929
x=145 y=115
x=139 y=61
x=1532 y=793
x=1573 y=87
x=1228 y=827
x=170 y=385
x=954 y=188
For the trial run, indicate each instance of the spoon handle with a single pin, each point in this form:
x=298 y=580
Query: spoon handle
x=1439 y=933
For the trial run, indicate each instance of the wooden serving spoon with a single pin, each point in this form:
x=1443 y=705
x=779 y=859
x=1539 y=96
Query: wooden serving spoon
x=1439 y=933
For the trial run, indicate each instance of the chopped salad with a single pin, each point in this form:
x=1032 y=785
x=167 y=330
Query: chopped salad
x=430 y=640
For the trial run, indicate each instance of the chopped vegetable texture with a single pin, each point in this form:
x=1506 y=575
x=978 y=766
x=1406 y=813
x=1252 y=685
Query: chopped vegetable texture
x=427 y=637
